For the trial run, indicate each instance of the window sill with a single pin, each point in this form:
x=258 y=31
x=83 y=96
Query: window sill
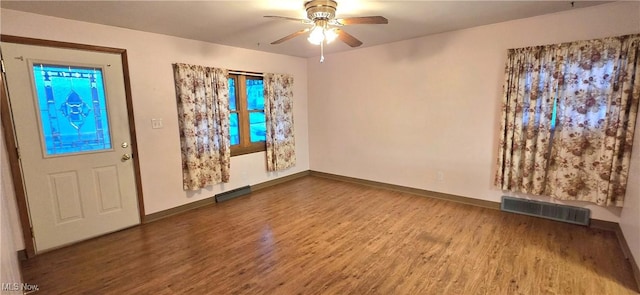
x=253 y=148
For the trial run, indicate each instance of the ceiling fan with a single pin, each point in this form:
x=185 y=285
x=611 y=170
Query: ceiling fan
x=325 y=27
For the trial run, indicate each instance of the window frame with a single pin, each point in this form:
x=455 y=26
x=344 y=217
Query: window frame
x=245 y=146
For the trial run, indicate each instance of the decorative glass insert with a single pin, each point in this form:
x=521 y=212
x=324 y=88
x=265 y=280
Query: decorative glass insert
x=255 y=94
x=73 y=110
x=257 y=126
x=234 y=128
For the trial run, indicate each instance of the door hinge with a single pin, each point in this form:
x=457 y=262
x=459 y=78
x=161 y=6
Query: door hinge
x=32 y=234
x=2 y=64
x=18 y=152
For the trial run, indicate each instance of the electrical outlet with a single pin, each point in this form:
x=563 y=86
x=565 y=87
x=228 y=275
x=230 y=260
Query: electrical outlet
x=440 y=176
x=156 y=123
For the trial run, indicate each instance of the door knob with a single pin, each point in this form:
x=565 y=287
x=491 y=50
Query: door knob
x=126 y=157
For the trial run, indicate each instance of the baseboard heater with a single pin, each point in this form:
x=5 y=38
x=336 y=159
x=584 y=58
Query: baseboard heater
x=245 y=190
x=564 y=213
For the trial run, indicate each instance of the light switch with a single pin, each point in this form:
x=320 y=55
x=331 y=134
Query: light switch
x=156 y=123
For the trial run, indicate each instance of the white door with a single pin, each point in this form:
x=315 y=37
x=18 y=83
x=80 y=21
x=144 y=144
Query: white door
x=72 y=128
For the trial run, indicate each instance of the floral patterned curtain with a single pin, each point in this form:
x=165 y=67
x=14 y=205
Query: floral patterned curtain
x=203 y=117
x=596 y=87
x=597 y=109
x=527 y=110
x=278 y=108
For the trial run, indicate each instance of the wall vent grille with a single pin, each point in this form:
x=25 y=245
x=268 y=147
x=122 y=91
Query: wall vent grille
x=564 y=213
x=245 y=190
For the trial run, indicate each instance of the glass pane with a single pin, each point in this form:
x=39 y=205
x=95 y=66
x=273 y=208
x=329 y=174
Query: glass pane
x=234 y=129
x=72 y=106
x=232 y=94
x=255 y=94
x=257 y=126
x=554 y=113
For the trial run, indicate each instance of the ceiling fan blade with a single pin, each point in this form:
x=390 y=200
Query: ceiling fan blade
x=348 y=38
x=289 y=37
x=373 y=20
x=300 y=20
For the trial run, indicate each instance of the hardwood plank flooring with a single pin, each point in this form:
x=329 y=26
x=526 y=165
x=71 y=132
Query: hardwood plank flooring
x=320 y=236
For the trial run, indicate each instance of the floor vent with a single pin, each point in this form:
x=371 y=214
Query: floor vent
x=233 y=194
x=564 y=213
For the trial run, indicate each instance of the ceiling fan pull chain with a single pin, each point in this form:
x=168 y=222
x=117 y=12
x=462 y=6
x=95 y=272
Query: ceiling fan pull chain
x=322 y=51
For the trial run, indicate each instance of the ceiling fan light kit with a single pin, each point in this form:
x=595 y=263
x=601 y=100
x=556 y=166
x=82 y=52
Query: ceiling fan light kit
x=321 y=14
x=321 y=32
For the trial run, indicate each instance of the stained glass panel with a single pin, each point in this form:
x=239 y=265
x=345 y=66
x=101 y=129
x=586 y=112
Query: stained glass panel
x=257 y=126
x=73 y=110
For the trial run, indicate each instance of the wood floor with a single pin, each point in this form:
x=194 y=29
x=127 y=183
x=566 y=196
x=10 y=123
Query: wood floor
x=321 y=236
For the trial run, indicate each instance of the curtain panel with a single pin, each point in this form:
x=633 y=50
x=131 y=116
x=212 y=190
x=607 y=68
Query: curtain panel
x=595 y=88
x=278 y=108
x=527 y=110
x=203 y=116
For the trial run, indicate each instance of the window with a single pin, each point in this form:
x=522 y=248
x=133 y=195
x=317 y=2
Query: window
x=72 y=109
x=568 y=119
x=246 y=119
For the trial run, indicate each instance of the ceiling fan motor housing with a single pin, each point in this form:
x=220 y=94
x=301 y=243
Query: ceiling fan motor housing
x=321 y=9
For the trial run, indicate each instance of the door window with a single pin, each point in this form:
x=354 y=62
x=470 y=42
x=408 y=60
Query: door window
x=72 y=109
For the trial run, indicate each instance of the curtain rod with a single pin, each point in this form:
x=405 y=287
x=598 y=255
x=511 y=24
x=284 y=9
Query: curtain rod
x=246 y=73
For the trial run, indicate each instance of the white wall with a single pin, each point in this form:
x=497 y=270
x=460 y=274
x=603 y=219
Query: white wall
x=401 y=113
x=630 y=218
x=9 y=266
x=9 y=198
x=150 y=58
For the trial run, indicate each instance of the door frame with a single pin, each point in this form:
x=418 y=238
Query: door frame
x=10 y=139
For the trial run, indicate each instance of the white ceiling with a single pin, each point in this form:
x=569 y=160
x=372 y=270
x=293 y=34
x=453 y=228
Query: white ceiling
x=241 y=23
